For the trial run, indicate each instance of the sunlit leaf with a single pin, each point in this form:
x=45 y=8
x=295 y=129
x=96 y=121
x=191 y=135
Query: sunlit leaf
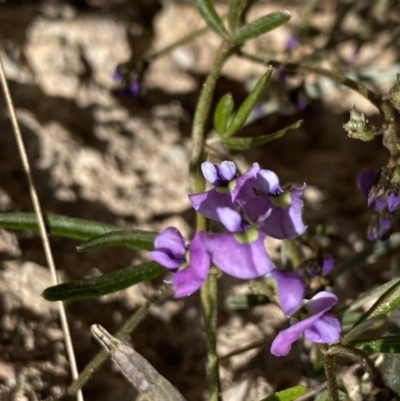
x=242 y=143
x=289 y=394
x=388 y=345
x=248 y=105
x=96 y=286
x=137 y=370
x=260 y=26
x=390 y=369
x=370 y=324
x=222 y=113
x=135 y=239
x=62 y=226
x=213 y=21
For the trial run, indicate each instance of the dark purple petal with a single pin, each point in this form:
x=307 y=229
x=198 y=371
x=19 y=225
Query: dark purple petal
x=392 y=202
x=169 y=248
x=326 y=330
x=219 y=175
x=191 y=278
x=206 y=203
x=327 y=265
x=230 y=219
x=117 y=76
x=365 y=180
x=380 y=203
x=239 y=255
x=134 y=87
x=268 y=182
x=289 y=288
x=242 y=189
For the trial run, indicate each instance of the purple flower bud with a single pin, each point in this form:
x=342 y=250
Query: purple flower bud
x=317 y=325
x=327 y=265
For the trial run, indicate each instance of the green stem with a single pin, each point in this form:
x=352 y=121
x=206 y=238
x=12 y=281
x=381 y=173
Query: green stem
x=209 y=295
x=330 y=372
x=197 y=183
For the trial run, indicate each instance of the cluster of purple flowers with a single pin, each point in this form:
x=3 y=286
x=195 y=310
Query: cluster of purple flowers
x=250 y=207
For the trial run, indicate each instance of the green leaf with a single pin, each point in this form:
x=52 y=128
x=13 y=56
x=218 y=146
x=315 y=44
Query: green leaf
x=96 y=286
x=62 y=226
x=222 y=113
x=135 y=239
x=245 y=301
x=235 y=8
x=372 y=323
x=248 y=105
x=387 y=345
x=213 y=21
x=244 y=143
x=385 y=304
x=260 y=26
x=287 y=395
x=390 y=369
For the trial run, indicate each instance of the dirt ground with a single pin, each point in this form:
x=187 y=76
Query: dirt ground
x=99 y=155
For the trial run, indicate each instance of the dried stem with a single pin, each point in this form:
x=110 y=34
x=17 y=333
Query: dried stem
x=42 y=227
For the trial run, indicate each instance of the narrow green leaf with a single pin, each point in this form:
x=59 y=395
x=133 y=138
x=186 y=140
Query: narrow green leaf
x=222 y=113
x=248 y=105
x=96 y=286
x=213 y=21
x=244 y=143
x=260 y=26
x=390 y=369
x=387 y=345
x=289 y=394
x=135 y=239
x=385 y=304
x=62 y=226
x=245 y=301
x=235 y=8
x=370 y=324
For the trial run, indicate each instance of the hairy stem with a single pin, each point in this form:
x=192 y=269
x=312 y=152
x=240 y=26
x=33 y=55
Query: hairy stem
x=330 y=372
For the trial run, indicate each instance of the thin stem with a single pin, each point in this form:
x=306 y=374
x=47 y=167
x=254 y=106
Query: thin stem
x=330 y=372
x=200 y=118
x=209 y=295
x=42 y=228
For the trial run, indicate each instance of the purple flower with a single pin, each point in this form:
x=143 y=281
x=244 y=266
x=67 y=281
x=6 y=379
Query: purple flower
x=317 y=325
x=190 y=264
x=276 y=212
x=290 y=289
x=226 y=190
x=292 y=42
x=241 y=252
x=132 y=89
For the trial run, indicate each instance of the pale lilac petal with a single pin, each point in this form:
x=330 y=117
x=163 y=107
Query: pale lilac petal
x=326 y=330
x=166 y=260
x=244 y=260
x=191 y=278
x=230 y=219
x=242 y=189
x=268 y=182
x=219 y=175
x=392 y=202
x=365 y=180
x=322 y=301
x=289 y=288
x=206 y=203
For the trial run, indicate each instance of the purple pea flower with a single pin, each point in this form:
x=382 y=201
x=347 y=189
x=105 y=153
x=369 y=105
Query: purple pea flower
x=228 y=192
x=318 y=326
x=276 y=212
x=241 y=252
x=190 y=264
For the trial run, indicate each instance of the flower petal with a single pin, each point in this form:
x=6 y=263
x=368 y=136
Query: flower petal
x=289 y=288
x=326 y=330
x=268 y=182
x=219 y=175
x=245 y=259
x=242 y=189
x=393 y=201
x=365 y=180
x=190 y=279
x=230 y=219
x=327 y=265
